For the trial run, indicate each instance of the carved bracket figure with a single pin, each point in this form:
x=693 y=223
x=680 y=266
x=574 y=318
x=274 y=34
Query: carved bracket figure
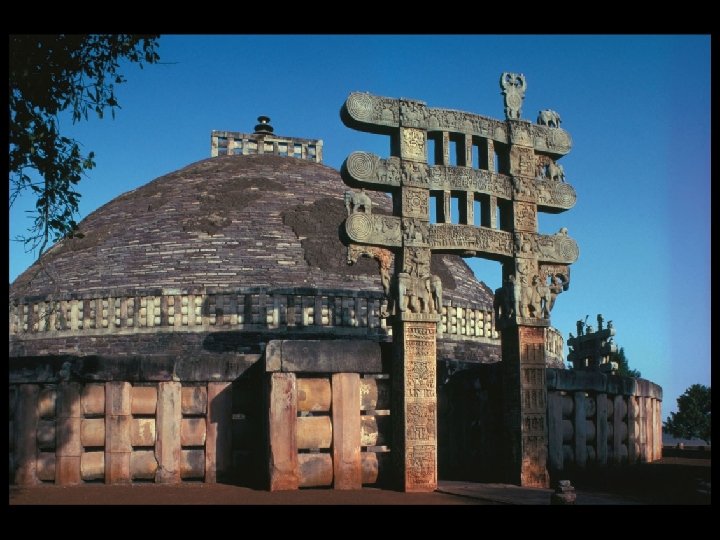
x=548 y=169
x=384 y=258
x=513 y=88
x=357 y=202
x=549 y=118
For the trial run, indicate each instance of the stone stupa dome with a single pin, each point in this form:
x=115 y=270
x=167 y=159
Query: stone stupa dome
x=232 y=243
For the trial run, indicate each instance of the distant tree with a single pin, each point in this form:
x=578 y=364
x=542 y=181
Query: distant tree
x=623 y=365
x=49 y=74
x=693 y=417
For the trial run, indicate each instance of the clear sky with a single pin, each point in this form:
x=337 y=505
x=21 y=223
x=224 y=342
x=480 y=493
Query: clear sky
x=637 y=108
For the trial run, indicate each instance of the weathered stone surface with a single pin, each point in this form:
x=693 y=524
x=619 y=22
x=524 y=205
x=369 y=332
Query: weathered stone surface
x=167 y=446
x=375 y=430
x=144 y=399
x=194 y=400
x=314 y=432
x=283 y=458
x=118 y=433
x=92 y=432
x=46 y=403
x=118 y=398
x=92 y=465
x=602 y=428
x=143 y=465
x=556 y=434
x=142 y=432
x=93 y=399
x=193 y=432
x=68 y=400
x=192 y=464
x=218 y=445
x=117 y=467
x=315 y=470
x=46 y=435
x=67 y=470
x=335 y=356
x=46 y=465
x=26 y=422
x=374 y=394
x=374 y=467
x=314 y=395
x=346 y=432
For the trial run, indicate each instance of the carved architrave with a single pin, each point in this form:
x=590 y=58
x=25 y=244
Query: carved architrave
x=373 y=229
x=446 y=236
x=372 y=113
x=412 y=113
x=370 y=109
x=412 y=144
x=414 y=174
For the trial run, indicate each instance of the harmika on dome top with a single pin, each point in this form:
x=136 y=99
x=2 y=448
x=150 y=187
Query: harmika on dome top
x=225 y=222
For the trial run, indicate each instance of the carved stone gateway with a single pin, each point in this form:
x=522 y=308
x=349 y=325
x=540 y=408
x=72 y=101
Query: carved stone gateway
x=515 y=177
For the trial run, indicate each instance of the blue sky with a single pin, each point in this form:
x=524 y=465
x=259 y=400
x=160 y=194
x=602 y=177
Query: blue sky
x=637 y=108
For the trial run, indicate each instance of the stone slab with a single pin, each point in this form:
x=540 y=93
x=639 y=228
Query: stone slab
x=324 y=356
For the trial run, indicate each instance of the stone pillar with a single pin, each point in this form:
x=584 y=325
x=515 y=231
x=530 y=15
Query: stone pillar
x=649 y=429
x=469 y=208
x=642 y=428
x=468 y=150
x=118 y=419
x=414 y=395
x=555 y=431
x=580 y=429
x=525 y=396
x=26 y=422
x=168 y=448
x=446 y=148
x=632 y=437
x=658 y=431
x=447 y=207
x=283 y=458
x=619 y=427
x=602 y=428
x=69 y=447
x=346 y=430
x=218 y=444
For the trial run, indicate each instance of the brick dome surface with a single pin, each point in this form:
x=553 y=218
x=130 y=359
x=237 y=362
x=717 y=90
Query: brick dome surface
x=225 y=222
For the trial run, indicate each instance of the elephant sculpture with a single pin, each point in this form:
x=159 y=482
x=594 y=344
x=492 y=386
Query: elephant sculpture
x=436 y=293
x=357 y=202
x=418 y=295
x=549 y=118
x=555 y=171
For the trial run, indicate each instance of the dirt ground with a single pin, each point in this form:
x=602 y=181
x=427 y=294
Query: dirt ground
x=671 y=480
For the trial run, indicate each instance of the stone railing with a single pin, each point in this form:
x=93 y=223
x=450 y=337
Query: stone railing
x=117 y=432
x=598 y=419
x=254 y=309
